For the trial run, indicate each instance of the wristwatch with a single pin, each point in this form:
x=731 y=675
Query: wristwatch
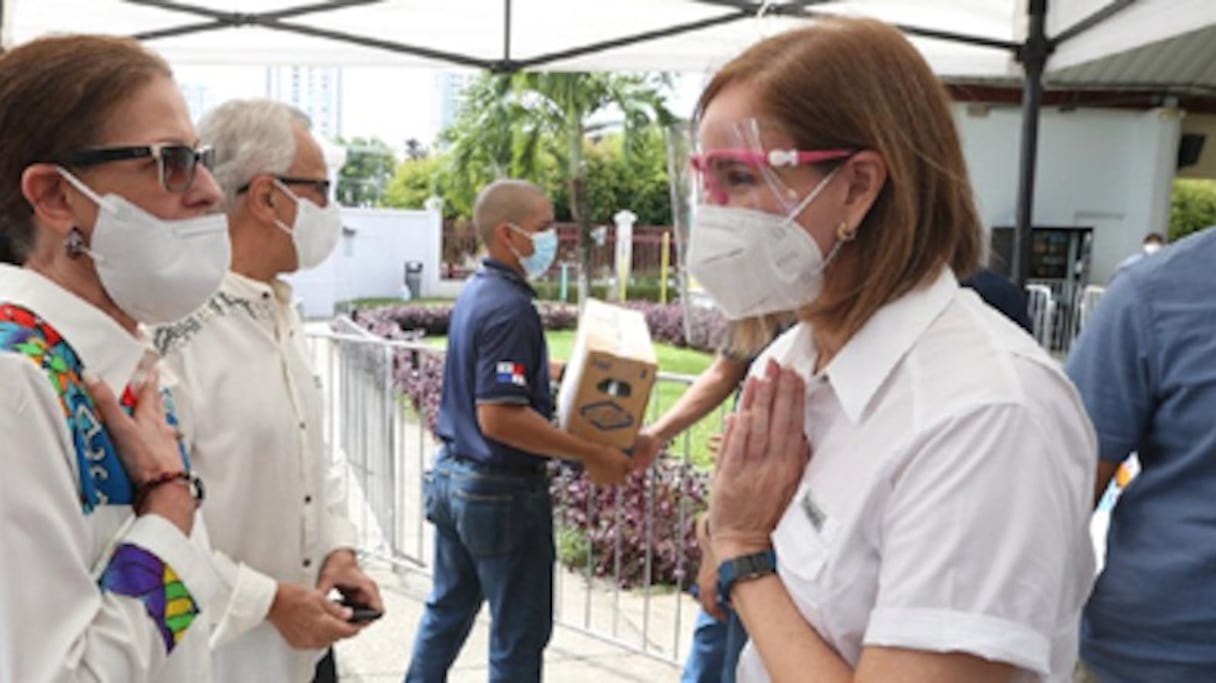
x=743 y=569
x=197 y=490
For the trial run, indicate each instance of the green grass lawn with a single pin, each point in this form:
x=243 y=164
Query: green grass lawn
x=672 y=360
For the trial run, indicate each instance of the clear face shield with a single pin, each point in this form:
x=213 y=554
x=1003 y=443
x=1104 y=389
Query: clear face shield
x=746 y=185
x=753 y=164
x=750 y=164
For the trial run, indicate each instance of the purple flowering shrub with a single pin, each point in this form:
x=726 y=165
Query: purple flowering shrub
x=429 y=320
x=417 y=372
x=642 y=531
x=666 y=321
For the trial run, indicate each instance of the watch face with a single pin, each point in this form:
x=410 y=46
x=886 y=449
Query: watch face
x=197 y=489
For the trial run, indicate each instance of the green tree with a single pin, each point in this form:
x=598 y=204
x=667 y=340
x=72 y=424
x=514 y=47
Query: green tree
x=618 y=180
x=1193 y=207
x=415 y=149
x=414 y=181
x=370 y=164
x=534 y=125
x=615 y=181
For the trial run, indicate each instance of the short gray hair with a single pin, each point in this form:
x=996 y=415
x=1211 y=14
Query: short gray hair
x=250 y=137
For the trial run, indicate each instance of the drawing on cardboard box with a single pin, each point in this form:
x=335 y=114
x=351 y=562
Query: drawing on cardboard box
x=609 y=377
x=607 y=415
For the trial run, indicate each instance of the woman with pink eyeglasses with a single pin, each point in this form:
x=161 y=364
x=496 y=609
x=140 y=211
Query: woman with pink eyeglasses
x=904 y=493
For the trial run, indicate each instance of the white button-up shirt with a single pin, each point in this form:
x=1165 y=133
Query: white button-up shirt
x=251 y=409
x=56 y=624
x=946 y=504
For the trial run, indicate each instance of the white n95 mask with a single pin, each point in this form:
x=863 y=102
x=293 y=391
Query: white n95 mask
x=315 y=232
x=155 y=270
x=752 y=262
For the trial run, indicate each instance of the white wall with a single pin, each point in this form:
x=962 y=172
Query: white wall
x=1106 y=168
x=370 y=259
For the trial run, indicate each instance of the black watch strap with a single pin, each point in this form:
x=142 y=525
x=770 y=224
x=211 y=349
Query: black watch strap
x=744 y=568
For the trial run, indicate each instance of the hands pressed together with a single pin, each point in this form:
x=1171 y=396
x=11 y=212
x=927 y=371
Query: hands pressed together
x=763 y=456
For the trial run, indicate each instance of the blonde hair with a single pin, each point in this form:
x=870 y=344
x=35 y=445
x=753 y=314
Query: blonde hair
x=859 y=84
x=746 y=338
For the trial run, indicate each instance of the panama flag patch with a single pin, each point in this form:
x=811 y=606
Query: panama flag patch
x=511 y=373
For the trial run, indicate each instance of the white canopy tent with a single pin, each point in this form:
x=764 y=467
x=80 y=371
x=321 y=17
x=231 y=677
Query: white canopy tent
x=624 y=35
x=1164 y=45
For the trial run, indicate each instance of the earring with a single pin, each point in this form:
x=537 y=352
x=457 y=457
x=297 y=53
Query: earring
x=844 y=233
x=75 y=244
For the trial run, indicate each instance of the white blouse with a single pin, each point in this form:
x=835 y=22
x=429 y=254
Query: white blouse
x=88 y=592
x=946 y=504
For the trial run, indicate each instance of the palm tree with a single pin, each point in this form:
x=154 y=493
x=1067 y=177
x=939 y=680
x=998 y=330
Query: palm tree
x=510 y=124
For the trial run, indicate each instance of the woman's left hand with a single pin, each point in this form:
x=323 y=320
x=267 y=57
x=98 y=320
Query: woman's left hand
x=763 y=457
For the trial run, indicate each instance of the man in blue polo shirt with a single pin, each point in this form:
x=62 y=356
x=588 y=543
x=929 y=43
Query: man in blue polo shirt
x=488 y=495
x=1146 y=368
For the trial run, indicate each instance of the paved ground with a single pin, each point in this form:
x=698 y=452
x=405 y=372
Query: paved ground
x=381 y=653
x=386 y=451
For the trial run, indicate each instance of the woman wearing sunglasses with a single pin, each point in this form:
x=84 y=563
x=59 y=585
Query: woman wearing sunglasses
x=106 y=201
x=904 y=494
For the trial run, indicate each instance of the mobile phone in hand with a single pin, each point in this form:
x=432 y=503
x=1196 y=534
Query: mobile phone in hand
x=360 y=613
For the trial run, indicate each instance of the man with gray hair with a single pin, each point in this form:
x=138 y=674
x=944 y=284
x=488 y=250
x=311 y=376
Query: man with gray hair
x=251 y=410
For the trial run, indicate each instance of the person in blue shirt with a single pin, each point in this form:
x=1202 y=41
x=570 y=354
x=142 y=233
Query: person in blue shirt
x=1145 y=365
x=488 y=495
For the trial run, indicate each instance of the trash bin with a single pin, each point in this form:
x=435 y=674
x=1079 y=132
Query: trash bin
x=413 y=279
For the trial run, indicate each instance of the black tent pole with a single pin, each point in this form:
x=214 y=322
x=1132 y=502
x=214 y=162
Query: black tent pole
x=1034 y=58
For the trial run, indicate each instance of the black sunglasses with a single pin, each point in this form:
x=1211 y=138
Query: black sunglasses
x=176 y=163
x=321 y=185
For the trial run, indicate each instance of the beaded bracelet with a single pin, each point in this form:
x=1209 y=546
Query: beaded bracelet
x=141 y=493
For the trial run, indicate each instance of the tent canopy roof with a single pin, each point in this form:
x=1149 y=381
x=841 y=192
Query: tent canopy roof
x=1142 y=43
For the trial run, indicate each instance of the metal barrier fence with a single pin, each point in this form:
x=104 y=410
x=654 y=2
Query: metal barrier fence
x=1057 y=323
x=387 y=449
x=1041 y=306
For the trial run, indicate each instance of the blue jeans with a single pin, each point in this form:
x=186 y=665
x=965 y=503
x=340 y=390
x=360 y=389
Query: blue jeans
x=493 y=542
x=715 y=649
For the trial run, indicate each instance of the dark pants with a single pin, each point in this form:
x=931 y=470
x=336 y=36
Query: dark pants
x=327 y=669
x=494 y=543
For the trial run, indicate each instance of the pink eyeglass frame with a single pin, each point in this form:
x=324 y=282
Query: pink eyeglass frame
x=775 y=158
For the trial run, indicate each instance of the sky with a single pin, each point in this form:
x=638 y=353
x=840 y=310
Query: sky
x=391 y=103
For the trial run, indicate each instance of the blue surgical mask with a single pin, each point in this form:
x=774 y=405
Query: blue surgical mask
x=544 y=250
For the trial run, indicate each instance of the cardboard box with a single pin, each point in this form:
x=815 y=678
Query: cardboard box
x=609 y=377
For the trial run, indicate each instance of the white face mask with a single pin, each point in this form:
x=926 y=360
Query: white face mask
x=752 y=262
x=315 y=232
x=155 y=270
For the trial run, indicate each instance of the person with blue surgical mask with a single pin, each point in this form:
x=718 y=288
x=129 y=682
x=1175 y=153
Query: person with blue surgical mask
x=488 y=494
